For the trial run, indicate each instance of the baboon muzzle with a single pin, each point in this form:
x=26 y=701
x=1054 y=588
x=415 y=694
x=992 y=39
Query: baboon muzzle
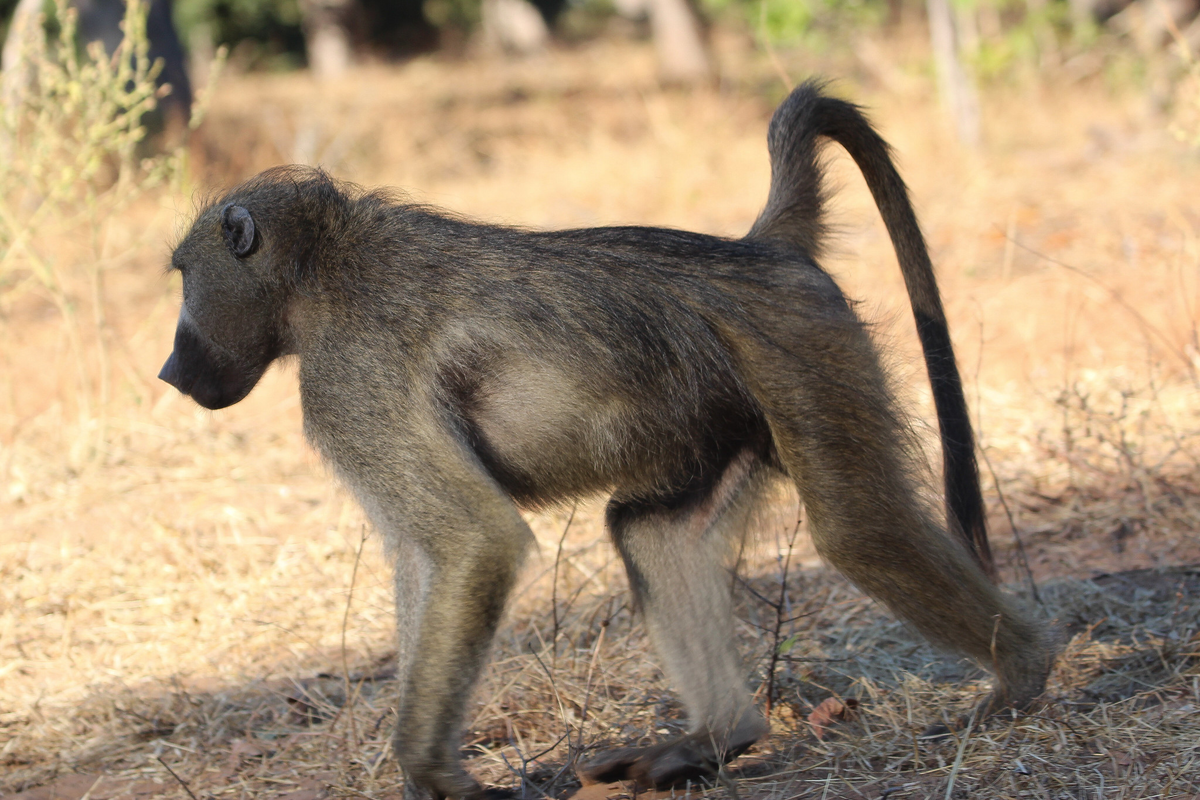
x=194 y=372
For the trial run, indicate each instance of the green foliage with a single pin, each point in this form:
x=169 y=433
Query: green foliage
x=790 y=21
x=71 y=133
x=462 y=14
x=6 y=11
x=783 y=20
x=1031 y=33
x=270 y=29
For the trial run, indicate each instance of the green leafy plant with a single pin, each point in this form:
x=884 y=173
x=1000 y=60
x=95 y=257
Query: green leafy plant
x=792 y=21
x=268 y=33
x=72 y=140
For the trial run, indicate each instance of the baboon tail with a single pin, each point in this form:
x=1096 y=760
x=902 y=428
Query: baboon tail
x=793 y=215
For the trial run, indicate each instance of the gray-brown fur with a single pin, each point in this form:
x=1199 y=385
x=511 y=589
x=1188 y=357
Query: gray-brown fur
x=452 y=372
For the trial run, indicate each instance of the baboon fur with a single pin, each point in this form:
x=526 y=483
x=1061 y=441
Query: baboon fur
x=453 y=373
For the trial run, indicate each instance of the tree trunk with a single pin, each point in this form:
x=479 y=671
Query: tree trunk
x=16 y=72
x=327 y=36
x=514 y=26
x=683 y=55
x=954 y=84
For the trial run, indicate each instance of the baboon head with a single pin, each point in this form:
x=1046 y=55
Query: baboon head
x=230 y=323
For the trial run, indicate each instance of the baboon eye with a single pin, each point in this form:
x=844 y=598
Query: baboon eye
x=239 y=230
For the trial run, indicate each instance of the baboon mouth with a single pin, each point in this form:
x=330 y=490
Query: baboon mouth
x=214 y=399
x=221 y=391
x=213 y=377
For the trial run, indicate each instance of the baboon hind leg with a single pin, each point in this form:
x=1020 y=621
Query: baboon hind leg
x=677 y=552
x=840 y=439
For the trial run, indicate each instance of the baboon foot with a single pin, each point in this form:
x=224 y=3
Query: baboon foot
x=993 y=705
x=497 y=793
x=935 y=732
x=460 y=787
x=414 y=791
x=663 y=765
x=1021 y=679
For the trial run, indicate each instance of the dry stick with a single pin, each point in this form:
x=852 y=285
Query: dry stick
x=1142 y=322
x=1183 y=292
x=562 y=707
x=726 y=780
x=520 y=675
x=562 y=770
x=958 y=758
x=1181 y=40
x=990 y=568
x=1174 y=776
x=587 y=688
x=588 y=579
x=1022 y=556
x=349 y=702
x=102 y=331
x=562 y=710
x=1012 y=524
x=1055 y=721
x=44 y=274
x=778 y=607
x=1006 y=264
x=182 y=782
x=523 y=775
x=554 y=584
x=88 y=794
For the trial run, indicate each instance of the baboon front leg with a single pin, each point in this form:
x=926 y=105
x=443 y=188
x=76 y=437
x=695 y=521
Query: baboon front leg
x=456 y=563
x=677 y=553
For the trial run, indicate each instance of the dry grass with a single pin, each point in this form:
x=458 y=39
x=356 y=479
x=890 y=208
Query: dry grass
x=176 y=615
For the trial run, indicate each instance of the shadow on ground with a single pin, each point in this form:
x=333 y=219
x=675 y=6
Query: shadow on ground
x=1130 y=644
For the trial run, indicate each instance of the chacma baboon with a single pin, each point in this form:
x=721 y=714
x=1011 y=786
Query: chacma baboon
x=453 y=373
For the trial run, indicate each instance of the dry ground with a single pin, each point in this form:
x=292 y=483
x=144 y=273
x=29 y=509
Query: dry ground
x=189 y=606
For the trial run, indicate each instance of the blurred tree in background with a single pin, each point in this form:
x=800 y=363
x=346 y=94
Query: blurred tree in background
x=993 y=34
x=6 y=12
x=972 y=41
x=789 y=22
x=267 y=32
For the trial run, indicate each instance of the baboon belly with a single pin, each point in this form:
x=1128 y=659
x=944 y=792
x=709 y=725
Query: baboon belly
x=545 y=436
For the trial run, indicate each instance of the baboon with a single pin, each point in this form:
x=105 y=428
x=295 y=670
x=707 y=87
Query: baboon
x=453 y=373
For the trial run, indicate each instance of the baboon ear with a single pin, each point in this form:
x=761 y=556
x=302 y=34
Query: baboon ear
x=239 y=230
